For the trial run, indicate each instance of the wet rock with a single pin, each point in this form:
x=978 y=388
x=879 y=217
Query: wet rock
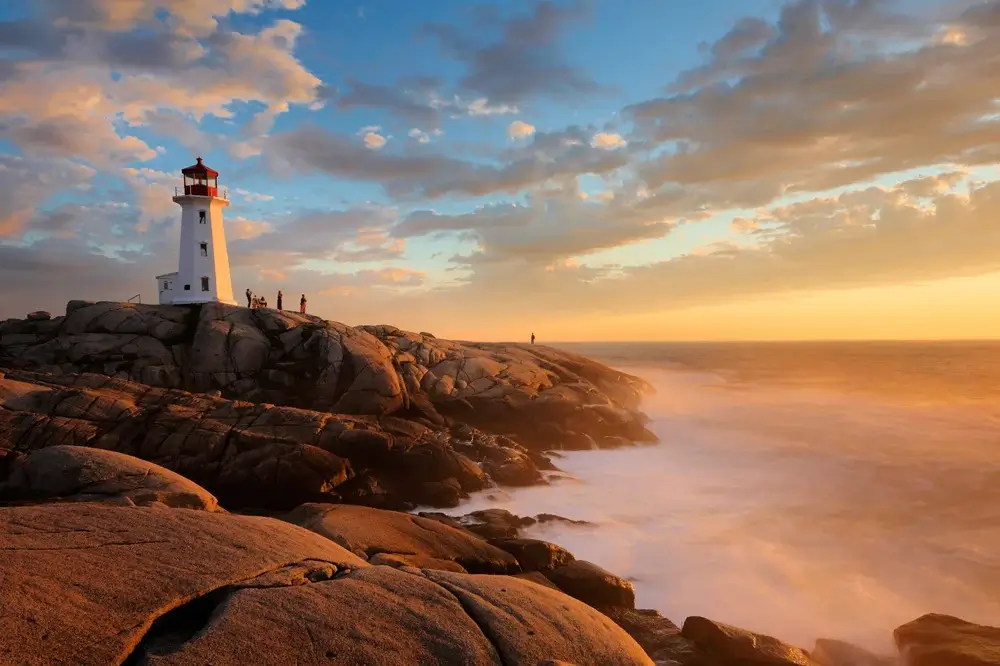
x=828 y=652
x=85 y=474
x=368 y=532
x=727 y=644
x=660 y=638
x=944 y=640
x=593 y=585
x=535 y=555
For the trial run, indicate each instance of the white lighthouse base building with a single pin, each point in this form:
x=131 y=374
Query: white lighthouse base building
x=203 y=264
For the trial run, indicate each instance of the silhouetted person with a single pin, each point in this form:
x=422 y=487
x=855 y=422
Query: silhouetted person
x=249 y=297
x=302 y=304
x=280 y=295
x=532 y=338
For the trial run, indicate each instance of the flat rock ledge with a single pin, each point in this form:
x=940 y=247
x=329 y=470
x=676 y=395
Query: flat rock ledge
x=547 y=398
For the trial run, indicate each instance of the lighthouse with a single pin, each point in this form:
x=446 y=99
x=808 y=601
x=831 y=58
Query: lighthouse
x=203 y=264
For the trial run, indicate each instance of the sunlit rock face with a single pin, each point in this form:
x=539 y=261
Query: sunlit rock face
x=546 y=397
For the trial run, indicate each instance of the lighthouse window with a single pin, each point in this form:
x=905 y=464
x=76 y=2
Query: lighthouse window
x=201 y=217
x=187 y=287
x=204 y=284
x=204 y=249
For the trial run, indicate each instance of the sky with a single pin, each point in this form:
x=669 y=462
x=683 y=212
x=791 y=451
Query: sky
x=583 y=170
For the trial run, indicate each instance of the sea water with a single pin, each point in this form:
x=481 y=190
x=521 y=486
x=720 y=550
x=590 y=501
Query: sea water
x=801 y=490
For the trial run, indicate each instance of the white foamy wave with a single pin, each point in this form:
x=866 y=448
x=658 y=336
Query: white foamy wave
x=800 y=514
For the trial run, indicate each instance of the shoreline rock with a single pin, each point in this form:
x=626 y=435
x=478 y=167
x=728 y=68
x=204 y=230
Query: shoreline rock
x=544 y=397
x=331 y=583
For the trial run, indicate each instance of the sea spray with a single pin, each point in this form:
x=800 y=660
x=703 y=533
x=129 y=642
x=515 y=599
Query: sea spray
x=789 y=508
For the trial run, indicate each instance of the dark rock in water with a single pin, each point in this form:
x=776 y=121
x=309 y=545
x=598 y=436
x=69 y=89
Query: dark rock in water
x=829 y=652
x=498 y=523
x=943 y=640
x=84 y=474
x=368 y=532
x=535 y=555
x=732 y=645
x=552 y=518
x=659 y=637
x=593 y=585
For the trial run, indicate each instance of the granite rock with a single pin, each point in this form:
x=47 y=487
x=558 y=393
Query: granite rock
x=368 y=532
x=86 y=474
x=546 y=398
x=246 y=454
x=943 y=640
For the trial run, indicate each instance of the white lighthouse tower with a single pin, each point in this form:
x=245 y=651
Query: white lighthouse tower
x=203 y=270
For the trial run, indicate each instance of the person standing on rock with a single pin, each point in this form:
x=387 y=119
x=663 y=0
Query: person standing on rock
x=302 y=304
x=280 y=296
x=249 y=296
x=532 y=338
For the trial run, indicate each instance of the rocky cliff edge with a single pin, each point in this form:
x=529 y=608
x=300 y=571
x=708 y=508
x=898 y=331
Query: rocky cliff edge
x=545 y=397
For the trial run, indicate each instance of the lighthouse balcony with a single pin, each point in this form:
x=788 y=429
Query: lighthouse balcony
x=198 y=190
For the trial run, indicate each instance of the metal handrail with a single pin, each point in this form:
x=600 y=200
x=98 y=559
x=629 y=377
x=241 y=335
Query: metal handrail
x=221 y=193
x=137 y=298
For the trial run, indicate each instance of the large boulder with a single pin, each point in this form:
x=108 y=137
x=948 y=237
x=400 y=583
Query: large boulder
x=732 y=645
x=85 y=582
x=545 y=619
x=661 y=638
x=593 y=585
x=943 y=640
x=534 y=554
x=87 y=474
x=372 y=532
x=193 y=587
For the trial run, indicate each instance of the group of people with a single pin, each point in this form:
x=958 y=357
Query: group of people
x=255 y=302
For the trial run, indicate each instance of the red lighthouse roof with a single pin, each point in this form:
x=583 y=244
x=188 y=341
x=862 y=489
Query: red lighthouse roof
x=199 y=169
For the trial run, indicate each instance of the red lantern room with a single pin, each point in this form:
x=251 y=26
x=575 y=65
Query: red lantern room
x=199 y=180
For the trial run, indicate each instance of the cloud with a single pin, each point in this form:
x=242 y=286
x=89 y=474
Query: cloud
x=550 y=227
x=608 y=141
x=418 y=99
x=253 y=196
x=419 y=135
x=371 y=137
x=60 y=99
x=552 y=156
x=25 y=184
x=523 y=62
x=806 y=105
x=519 y=130
x=743 y=225
x=320 y=235
x=374 y=141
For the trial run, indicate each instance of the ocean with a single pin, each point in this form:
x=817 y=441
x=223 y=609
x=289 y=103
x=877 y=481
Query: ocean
x=801 y=490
